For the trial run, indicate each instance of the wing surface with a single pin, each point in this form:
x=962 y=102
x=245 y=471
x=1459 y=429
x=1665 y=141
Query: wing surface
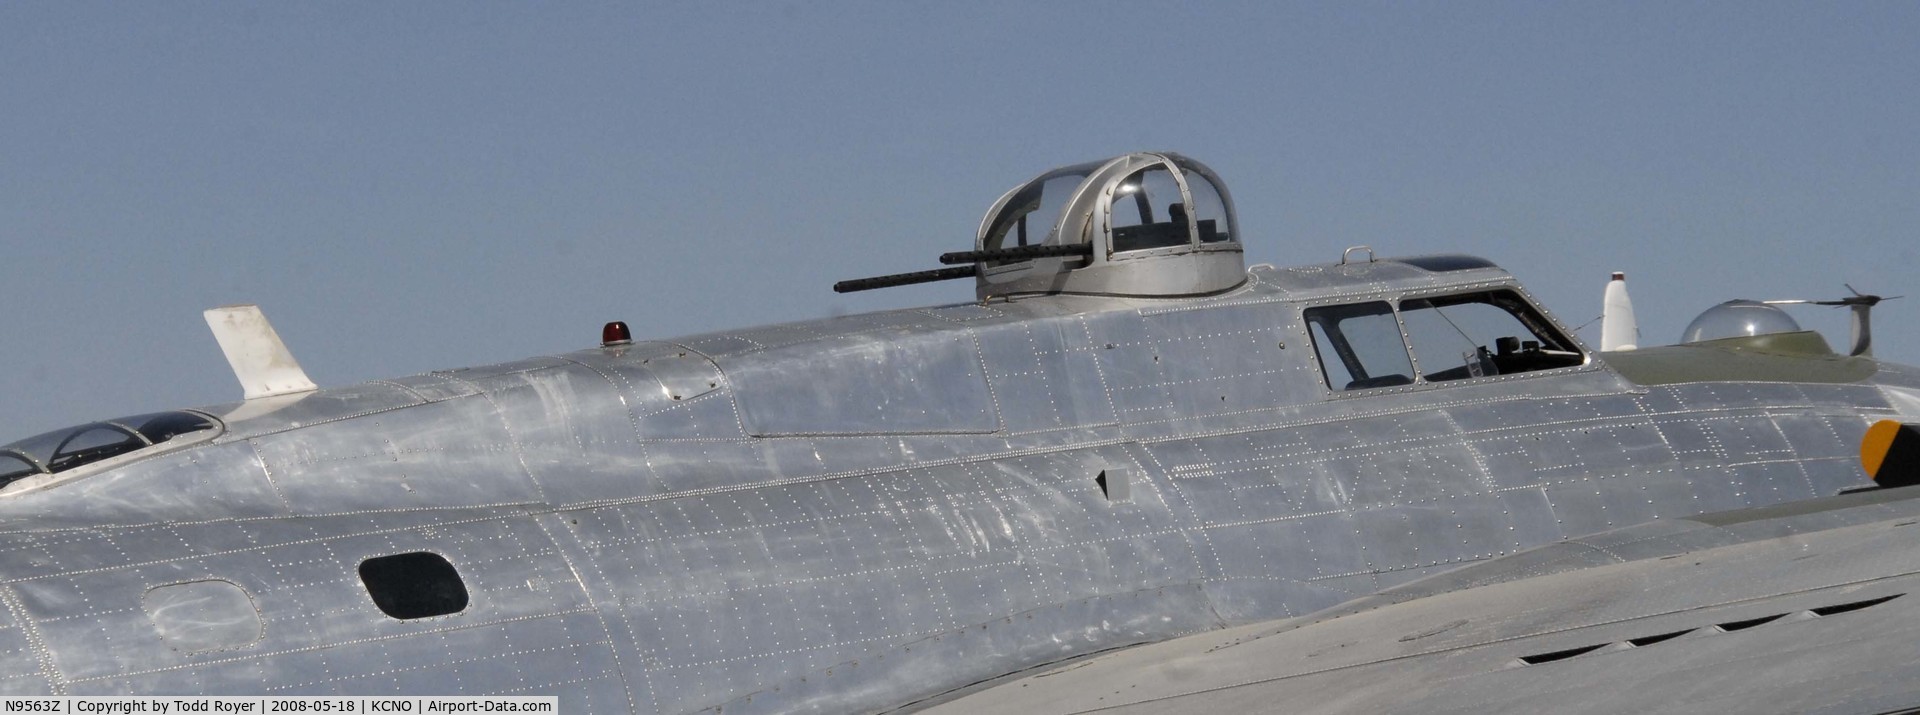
x=1812 y=607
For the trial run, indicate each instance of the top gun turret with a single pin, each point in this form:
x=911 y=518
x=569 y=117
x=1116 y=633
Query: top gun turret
x=1142 y=224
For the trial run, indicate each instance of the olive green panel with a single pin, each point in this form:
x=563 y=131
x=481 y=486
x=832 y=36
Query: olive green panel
x=1781 y=357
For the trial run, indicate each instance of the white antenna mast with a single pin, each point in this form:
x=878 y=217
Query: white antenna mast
x=260 y=361
x=1618 y=331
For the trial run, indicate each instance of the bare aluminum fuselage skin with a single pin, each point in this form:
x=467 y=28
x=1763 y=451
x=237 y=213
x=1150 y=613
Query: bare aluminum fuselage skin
x=859 y=514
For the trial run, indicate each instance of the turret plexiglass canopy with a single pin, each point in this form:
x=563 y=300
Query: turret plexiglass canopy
x=1142 y=224
x=1152 y=224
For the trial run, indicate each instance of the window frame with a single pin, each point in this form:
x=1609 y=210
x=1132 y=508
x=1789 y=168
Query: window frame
x=1544 y=324
x=1111 y=196
x=47 y=478
x=1343 y=348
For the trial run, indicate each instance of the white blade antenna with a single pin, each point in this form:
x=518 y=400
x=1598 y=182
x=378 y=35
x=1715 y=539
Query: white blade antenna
x=260 y=361
x=1618 y=330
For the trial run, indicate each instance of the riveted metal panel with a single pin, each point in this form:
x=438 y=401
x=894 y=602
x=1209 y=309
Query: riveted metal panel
x=26 y=665
x=309 y=595
x=714 y=579
x=1043 y=375
x=672 y=391
x=178 y=486
x=203 y=615
x=333 y=404
x=873 y=383
x=454 y=453
x=573 y=432
x=433 y=387
x=1303 y=548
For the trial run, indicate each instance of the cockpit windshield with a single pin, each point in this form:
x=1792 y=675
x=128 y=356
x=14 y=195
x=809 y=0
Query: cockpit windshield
x=62 y=450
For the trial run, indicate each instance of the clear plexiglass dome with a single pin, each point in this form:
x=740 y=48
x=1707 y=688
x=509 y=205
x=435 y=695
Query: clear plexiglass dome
x=1739 y=319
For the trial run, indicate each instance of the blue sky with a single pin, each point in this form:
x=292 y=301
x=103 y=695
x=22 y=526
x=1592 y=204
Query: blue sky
x=409 y=187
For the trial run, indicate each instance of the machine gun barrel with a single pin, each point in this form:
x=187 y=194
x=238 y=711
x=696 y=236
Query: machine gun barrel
x=903 y=279
x=965 y=271
x=1016 y=253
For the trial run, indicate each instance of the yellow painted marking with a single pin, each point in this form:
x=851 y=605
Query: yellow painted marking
x=1874 y=446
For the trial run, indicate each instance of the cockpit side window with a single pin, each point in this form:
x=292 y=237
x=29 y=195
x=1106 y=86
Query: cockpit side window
x=164 y=426
x=1030 y=216
x=1482 y=334
x=62 y=450
x=93 y=443
x=1359 y=346
x=1149 y=211
x=14 y=466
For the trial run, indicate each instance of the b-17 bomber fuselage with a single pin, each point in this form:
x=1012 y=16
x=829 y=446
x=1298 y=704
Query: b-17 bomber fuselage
x=867 y=513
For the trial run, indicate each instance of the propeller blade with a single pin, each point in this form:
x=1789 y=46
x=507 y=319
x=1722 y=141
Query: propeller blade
x=1858 y=298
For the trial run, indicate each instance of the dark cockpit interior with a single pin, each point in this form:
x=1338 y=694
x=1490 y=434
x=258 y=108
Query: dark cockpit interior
x=1462 y=336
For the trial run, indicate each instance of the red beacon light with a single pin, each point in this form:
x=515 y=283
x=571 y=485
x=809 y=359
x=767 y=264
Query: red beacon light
x=615 y=333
